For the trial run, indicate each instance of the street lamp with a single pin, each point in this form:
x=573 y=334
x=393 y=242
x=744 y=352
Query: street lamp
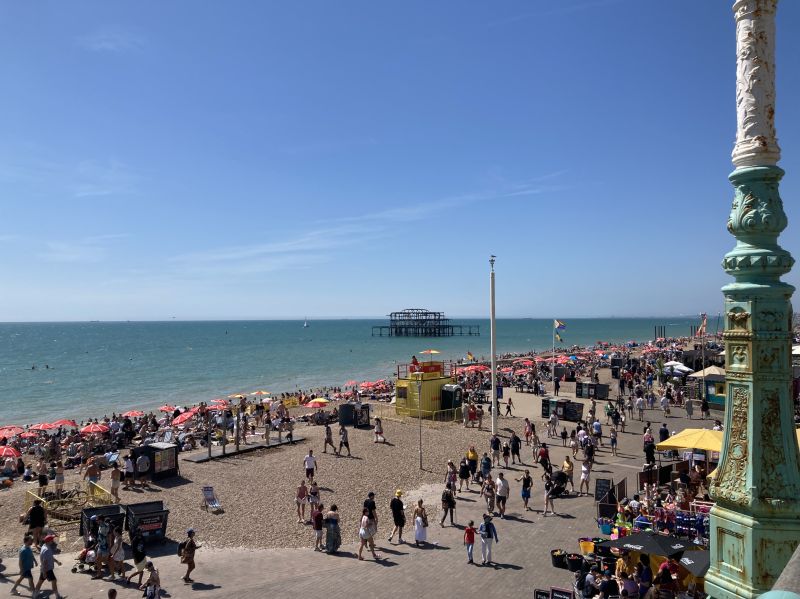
x=493 y=344
x=419 y=414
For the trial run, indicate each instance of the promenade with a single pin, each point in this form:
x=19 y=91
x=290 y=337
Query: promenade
x=522 y=560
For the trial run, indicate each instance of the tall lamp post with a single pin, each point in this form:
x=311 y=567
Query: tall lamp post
x=419 y=415
x=755 y=524
x=493 y=343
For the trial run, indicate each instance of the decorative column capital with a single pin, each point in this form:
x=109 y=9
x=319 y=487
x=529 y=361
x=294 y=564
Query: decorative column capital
x=756 y=142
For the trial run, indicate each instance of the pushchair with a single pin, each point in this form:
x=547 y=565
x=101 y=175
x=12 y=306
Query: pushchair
x=559 y=480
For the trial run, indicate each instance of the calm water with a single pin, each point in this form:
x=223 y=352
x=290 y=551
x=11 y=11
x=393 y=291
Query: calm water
x=96 y=368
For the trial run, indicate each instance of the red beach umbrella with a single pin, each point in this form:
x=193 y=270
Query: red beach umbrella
x=94 y=428
x=350 y=383
x=43 y=426
x=65 y=422
x=29 y=435
x=221 y=402
x=166 y=408
x=133 y=414
x=317 y=403
x=9 y=452
x=11 y=430
x=181 y=418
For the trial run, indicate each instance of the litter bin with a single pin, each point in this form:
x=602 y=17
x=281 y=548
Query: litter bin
x=347 y=414
x=115 y=514
x=163 y=459
x=362 y=415
x=148 y=518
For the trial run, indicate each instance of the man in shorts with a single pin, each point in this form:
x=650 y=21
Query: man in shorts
x=37 y=518
x=48 y=560
x=328 y=439
x=310 y=463
x=494 y=445
x=27 y=561
x=139 y=557
x=586 y=471
x=129 y=480
x=143 y=470
x=343 y=440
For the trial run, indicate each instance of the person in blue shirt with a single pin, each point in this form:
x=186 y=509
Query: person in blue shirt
x=26 y=564
x=488 y=534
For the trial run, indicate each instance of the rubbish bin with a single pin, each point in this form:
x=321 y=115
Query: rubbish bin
x=148 y=518
x=115 y=514
x=163 y=459
x=347 y=414
x=362 y=415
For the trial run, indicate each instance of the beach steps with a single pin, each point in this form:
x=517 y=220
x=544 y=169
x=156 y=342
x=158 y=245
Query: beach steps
x=201 y=456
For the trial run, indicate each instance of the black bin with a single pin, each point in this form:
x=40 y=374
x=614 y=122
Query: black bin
x=163 y=459
x=615 y=372
x=362 y=415
x=148 y=518
x=452 y=397
x=115 y=515
x=347 y=414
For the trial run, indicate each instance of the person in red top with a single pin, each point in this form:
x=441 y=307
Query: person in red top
x=414 y=364
x=469 y=539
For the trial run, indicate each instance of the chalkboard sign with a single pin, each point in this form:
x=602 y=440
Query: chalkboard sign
x=621 y=488
x=560 y=593
x=602 y=487
x=545 y=408
x=607 y=510
x=541 y=594
x=573 y=411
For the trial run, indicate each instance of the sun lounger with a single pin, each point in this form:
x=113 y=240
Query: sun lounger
x=210 y=500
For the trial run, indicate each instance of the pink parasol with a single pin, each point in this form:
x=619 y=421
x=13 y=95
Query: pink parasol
x=133 y=414
x=65 y=422
x=9 y=452
x=43 y=426
x=166 y=408
x=11 y=430
x=187 y=415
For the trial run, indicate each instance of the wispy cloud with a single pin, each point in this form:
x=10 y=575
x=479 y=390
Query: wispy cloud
x=112 y=39
x=86 y=250
x=95 y=178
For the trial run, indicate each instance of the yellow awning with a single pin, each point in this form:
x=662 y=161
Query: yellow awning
x=693 y=438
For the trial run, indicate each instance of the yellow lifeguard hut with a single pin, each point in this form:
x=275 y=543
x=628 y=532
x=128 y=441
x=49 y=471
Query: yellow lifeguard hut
x=419 y=388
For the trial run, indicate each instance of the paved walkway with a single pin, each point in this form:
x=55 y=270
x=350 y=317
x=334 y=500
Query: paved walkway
x=522 y=555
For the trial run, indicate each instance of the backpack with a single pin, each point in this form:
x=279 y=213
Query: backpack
x=181 y=548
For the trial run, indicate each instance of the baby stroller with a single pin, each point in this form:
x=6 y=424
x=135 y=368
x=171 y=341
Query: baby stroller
x=85 y=560
x=559 y=480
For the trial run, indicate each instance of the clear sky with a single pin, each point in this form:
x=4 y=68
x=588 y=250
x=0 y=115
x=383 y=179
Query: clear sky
x=257 y=159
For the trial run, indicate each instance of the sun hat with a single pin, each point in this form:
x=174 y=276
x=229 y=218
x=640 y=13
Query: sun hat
x=398 y=493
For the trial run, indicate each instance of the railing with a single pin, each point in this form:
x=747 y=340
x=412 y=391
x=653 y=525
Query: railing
x=393 y=412
x=98 y=495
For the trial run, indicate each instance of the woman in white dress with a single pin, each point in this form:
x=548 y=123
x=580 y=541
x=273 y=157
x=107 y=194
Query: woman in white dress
x=420 y=524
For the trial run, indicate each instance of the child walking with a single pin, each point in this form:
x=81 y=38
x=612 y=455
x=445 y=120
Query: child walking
x=469 y=540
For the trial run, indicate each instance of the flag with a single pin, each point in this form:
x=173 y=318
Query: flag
x=701 y=331
x=558 y=325
x=470 y=357
x=558 y=337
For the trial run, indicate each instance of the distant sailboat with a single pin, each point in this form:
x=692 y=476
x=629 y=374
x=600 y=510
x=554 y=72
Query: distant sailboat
x=305 y=323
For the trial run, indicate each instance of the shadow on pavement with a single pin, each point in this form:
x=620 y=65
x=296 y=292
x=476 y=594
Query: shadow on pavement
x=203 y=586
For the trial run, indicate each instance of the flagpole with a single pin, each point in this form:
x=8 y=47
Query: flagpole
x=493 y=344
x=553 y=358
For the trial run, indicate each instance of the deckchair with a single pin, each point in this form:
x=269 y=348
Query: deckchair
x=210 y=500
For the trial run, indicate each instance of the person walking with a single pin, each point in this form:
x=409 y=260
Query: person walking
x=469 y=539
x=310 y=464
x=448 y=504
x=343 y=440
x=420 y=523
x=586 y=471
x=451 y=476
x=379 y=438
x=37 y=518
x=488 y=534
x=472 y=459
x=128 y=472
x=47 y=561
x=463 y=474
x=116 y=477
x=366 y=533
x=528 y=431
x=116 y=555
x=139 y=557
x=527 y=483
x=300 y=498
x=186 y=551
x=27 y=562
x=329 y=440
x=494 y=446
x=333 y=534
x=486 y=466
x=488 y=492
x=509 y=406
x=397 y=508
x=503 y=489
x=516 y=445
x=568 y=468
x=612 y=437
x=548 y=494
x=506 y=452
x=317 y=526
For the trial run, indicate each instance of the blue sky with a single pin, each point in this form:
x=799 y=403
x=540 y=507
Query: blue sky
x=283 y=159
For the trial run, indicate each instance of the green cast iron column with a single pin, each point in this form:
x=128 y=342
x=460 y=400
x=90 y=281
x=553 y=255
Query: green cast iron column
x=755 y=525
